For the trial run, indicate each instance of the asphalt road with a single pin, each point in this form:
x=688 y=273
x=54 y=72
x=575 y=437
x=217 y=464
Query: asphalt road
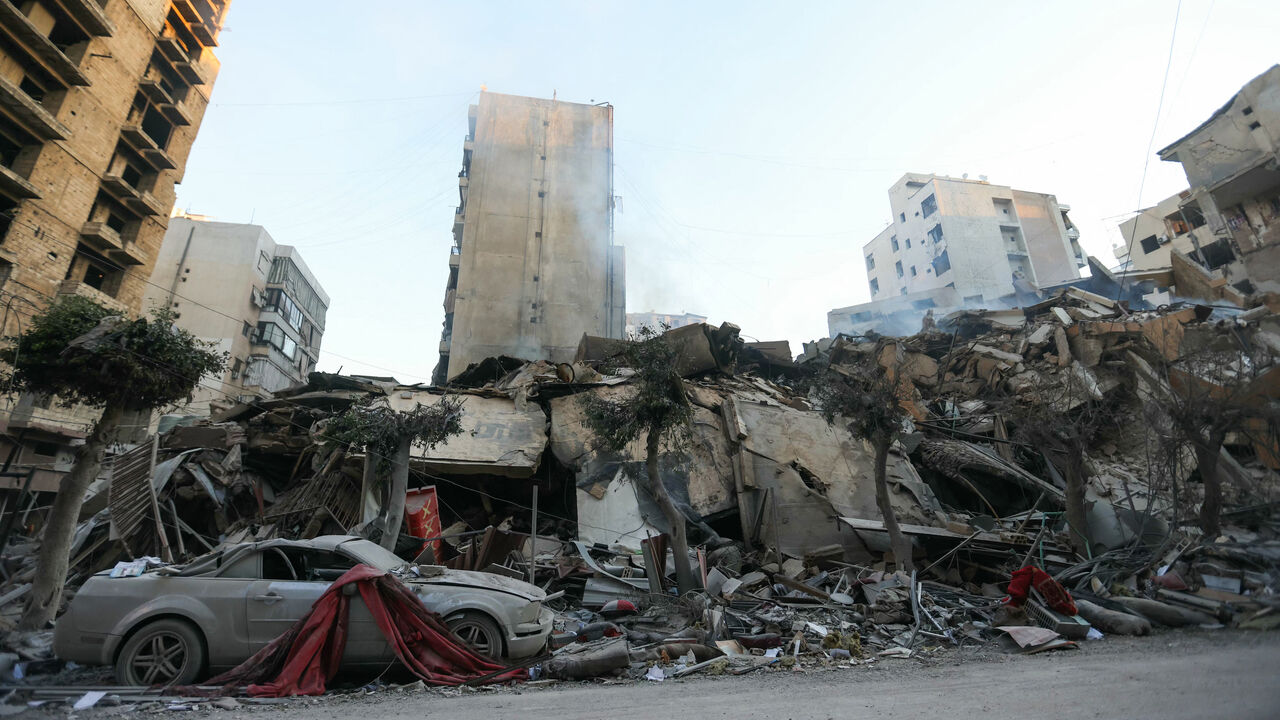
x=1192 y=675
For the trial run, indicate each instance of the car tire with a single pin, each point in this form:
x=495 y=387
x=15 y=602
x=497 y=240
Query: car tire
x=477 y=631
x=164 y=652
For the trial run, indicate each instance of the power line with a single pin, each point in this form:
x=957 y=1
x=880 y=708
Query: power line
x=363 y=101
x=1146 y=162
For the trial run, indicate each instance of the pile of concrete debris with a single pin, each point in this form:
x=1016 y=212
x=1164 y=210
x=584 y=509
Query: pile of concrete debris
x=791 y=550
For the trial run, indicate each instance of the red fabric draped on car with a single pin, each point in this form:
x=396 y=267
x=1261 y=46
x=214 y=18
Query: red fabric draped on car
x=304 y=659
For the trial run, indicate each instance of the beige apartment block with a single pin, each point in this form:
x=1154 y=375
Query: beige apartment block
x=1147 y=239
x=100 y=101
x=533 y=266
x=965 y=239
x=233 y=285
x=1232 y=163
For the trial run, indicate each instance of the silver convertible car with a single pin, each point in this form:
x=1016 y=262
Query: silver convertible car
x=176 y=624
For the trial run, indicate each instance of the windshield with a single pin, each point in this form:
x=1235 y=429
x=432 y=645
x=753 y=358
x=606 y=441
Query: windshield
x=372 y=554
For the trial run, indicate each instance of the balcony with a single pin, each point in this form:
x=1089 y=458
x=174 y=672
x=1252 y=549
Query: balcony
x=154 y=91
x=29 y=113
x=190 y=71
x=171 y=48
x=175 y=112
x=16 y=186
x=75 y=287
x=468 y=144
x=100 y=237
x=89 y=16
x=206 y=33
x=450 y=296
x=457 y=221
x=17 y=26
x=1073 y=234
x=140 y=201
x=140 y=141
x=455 y=257
x=444 y=347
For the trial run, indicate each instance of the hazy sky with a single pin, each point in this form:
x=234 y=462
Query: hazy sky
x=755 y=142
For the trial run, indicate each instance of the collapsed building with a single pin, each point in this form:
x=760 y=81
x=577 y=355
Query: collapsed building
x=779 y=502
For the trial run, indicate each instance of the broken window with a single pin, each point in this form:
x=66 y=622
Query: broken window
x=893 y=242
x=235 y=368
x=972 y=300
x=924 y=304
x=875 y=286
x=929 y=206
x=942 y=263
x=871 y=263
x=898 y=266
x=1150 y=244
x=935 y=234
x=272 y=334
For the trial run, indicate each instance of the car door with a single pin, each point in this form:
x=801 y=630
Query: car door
x=366 y=644
x=279 y=599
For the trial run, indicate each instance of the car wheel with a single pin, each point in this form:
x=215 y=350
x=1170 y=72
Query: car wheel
x=478 y=631
x=165 y=652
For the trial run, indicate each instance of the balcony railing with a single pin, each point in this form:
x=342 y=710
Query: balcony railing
x=14 y=185
x=89 y=15
x=29 y=113
x=148 y=148
x=20 y=27
x=75 y=287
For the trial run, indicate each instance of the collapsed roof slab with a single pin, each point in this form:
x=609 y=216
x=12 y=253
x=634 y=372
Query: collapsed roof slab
x=497 y=438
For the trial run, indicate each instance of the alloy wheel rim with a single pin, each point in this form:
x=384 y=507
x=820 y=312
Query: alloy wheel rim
x=475 y=636
x=160 y=659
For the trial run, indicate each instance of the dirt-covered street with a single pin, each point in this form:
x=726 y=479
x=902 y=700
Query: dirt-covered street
x=1176 y=674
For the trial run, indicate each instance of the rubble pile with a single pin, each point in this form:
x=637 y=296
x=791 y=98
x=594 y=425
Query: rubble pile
x=792 y=553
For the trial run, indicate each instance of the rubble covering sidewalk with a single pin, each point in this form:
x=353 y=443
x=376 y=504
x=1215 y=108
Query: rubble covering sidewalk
x=791 y=553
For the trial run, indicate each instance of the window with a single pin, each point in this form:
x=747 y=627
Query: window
x=913 y=271
x=898 y=266
x=235 y=368
x=1255 y=125
x=1150 y=244
x=285 y=306
x=902 y=291
x=246 y=329
x=269 y=333
x=1248 y=110
x=875 y=286
x=44 y=449
x=929 y=206
x=973 y=300
x=942 y=263
x=908 y=243
x=6 y=269
x=902 y=217
x=871 y=263
x=924 y=304
x=264 y=262
x=893 y=242
x=936 y=233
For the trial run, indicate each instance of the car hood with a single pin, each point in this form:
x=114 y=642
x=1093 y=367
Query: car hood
x=485 y=581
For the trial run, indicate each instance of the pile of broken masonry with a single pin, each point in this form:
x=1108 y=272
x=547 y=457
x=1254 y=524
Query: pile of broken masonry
x=790 y=549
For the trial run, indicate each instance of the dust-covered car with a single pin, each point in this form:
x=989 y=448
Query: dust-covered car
x=176 y=624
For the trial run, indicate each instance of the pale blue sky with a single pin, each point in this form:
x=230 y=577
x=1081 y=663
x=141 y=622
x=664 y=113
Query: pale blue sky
x=755 y=142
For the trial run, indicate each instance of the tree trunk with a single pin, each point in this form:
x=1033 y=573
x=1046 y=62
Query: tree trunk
x=60 y=524
x=1077 y=521
x=897 y=541
x=397 y=488
x=1207 y=466
x=685 y=581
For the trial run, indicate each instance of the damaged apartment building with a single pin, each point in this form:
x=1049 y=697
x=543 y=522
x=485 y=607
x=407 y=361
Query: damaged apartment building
x=1220 y=238
x=956 y=242
x=232 y=284
x=99 y=105
x=533 y=265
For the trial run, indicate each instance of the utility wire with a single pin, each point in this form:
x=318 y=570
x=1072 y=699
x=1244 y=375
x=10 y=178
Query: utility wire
x=1146 y=162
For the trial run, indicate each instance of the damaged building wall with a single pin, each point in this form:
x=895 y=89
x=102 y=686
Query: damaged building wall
x=537 y=266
